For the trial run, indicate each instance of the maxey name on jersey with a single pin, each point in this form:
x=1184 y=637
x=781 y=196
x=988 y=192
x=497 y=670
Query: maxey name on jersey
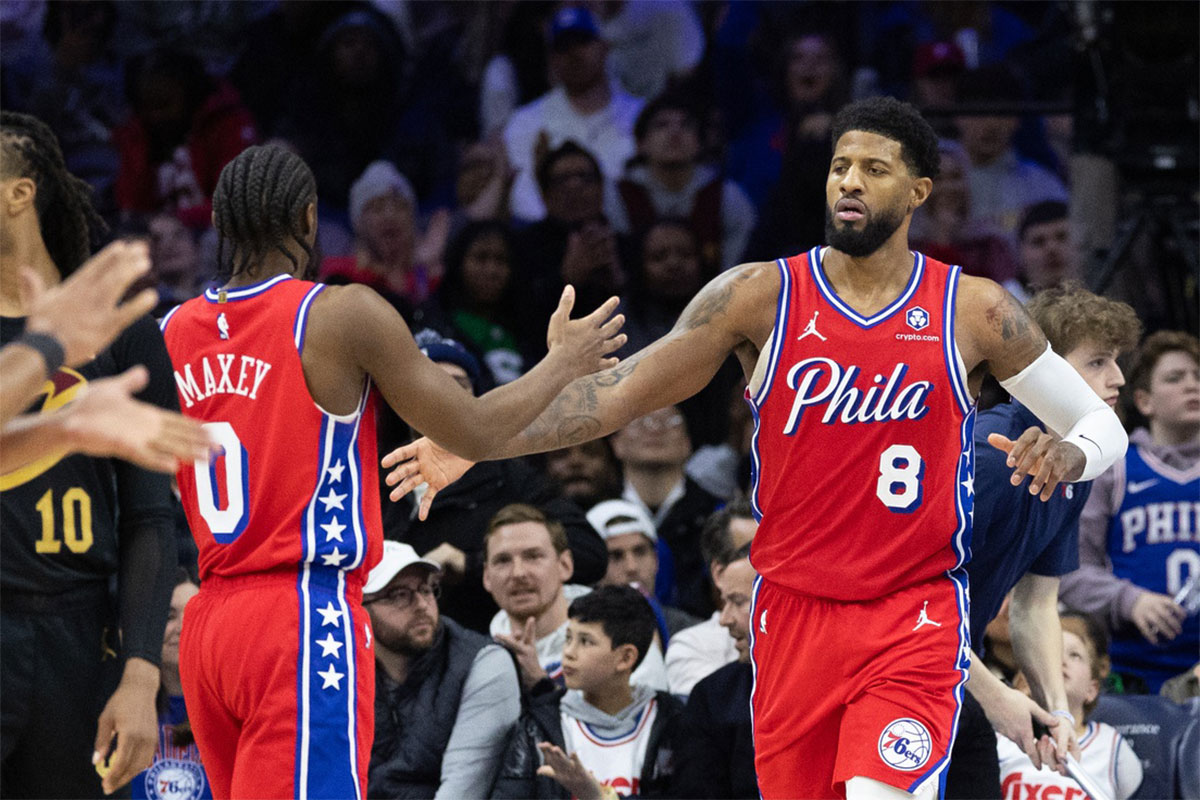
x=233 y=374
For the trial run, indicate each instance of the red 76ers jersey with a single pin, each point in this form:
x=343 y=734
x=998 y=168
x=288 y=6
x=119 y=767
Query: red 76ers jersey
x=862 y=454
x=295 y=484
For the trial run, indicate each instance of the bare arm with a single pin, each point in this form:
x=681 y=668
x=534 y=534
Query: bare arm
x=378 y=341
x=735 y=308
x=1037 y=644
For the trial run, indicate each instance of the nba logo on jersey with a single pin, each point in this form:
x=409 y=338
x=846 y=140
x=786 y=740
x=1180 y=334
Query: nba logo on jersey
x=917 y=318
x=904 y=744
x=222 y=326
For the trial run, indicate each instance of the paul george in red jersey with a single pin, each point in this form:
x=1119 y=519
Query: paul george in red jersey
x=863 y=360
x=276 y=657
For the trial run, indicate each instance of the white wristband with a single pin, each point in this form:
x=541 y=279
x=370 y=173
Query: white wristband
x=1066 y=715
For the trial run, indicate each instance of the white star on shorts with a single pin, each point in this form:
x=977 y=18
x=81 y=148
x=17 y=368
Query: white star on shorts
x=332 y=678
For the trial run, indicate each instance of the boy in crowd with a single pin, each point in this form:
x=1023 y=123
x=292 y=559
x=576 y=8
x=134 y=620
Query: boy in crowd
x=1138 y=541
x=602 y=736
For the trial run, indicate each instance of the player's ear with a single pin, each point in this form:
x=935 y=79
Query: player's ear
x=921 y=189
x=309 y=223
x=19 y=195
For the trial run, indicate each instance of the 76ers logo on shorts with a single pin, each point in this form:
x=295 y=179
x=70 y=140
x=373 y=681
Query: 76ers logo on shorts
x=175 y=780
x=905 y=744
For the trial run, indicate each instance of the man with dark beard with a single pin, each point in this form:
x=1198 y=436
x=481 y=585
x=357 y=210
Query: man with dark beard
x=446 y=698
x=862 y=362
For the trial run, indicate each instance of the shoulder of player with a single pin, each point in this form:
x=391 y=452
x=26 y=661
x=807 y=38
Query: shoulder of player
x=995 y=324
x=735 y=293
x=350 y=305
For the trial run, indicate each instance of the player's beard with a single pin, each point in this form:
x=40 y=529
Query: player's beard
x=861 y=243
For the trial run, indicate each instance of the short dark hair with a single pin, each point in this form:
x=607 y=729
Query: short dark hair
x=63 y=202
x=898 y=121
x=258 y=204
x=567 y=148
x=1040 y=214
x=1156 y=346
x=515 y=513
x=623 y=613
x=715 y=542
x=668 y=101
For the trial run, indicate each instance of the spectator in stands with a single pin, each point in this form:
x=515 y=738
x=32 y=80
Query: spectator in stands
x=446 y=698
x=574 y=244
x=944 y=228
x=176 y=757
x=175 y=261
x=716 y=757
x=587 y=473
x=1024 y=542
x=1137 y=540
x=185 y=128
x=782 y=160
x=607 y=734
x=482 y=184
x=388 y=245
x=1047 y=250
x=77 y=88
x=453 y=532
x=1104 y=754
x=632 y=545
x=527 y=566
x=519 y=72
x=936 y=67
x=669 y=180
x=653 y=43
x=669 y=273
x=587 y=106
x=698 y=651
x=477 y=301
x=1002 y=183
x=653 y=451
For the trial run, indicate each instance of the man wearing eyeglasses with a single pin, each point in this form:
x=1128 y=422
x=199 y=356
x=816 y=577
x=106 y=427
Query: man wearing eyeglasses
x=446 y=698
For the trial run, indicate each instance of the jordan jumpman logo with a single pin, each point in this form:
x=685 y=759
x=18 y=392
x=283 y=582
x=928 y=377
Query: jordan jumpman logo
x=924 y=618
x=811 y=329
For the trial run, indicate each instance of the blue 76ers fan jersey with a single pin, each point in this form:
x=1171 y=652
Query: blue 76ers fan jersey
x=1154 y=542
x=862 y=449
x=295 y=484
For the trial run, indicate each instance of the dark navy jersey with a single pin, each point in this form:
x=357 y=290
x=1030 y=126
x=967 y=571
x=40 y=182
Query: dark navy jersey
x=1014 y=531
x=1154 y=542
x=60 y=517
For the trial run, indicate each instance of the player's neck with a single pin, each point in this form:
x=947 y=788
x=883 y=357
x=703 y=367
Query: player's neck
x=265 y=268
x=613 y=696
x=653 y=482
x=880 y=276
x=1174 y=435
x=24 y=252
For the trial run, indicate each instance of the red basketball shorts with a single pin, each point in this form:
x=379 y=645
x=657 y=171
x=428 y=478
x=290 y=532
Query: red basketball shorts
x=869 y=689
x=278 y=673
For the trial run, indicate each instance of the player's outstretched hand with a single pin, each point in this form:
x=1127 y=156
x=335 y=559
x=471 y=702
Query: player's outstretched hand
x=570 y=772
x=85 y=312
x=129 y=716
x=1049 y=460
x=105 y=420
x=1157 y=617
x=583 y=344
x=422 y=461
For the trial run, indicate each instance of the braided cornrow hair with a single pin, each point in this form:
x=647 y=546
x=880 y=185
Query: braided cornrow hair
x=69 y=222
x=258 y=204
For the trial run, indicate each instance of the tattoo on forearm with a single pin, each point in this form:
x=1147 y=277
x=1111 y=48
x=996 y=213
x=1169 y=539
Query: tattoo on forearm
x=569 y=419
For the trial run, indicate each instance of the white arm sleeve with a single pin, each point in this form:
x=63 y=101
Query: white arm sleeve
x=1061 y=398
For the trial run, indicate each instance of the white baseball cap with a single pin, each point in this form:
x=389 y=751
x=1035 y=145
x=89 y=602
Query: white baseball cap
x=633 y=519
x=396 y=557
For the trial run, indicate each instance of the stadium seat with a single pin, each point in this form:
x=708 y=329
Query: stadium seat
x=1155 y=728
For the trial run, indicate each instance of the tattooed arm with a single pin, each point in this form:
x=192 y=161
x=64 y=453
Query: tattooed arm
x=734 y=311
x=996 y=334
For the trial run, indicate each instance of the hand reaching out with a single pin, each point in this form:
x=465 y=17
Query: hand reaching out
x=1049 y=460
x=583 y=344
x=422 y=461
x=570 y=772
x=523 y=646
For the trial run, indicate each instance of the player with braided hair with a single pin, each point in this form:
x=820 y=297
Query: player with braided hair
x=276 y=658
x=61 y=536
